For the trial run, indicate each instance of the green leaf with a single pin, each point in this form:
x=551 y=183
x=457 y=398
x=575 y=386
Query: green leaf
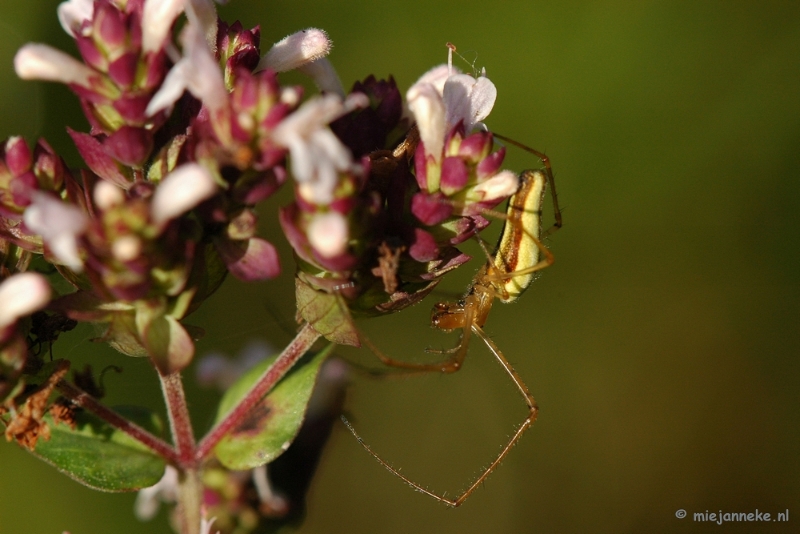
x=273 y=423
x=100 y=456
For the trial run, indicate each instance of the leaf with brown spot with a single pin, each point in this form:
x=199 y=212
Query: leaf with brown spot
x=273 y=423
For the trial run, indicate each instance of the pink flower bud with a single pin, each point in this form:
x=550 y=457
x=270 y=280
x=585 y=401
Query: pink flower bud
x=129 y=146
x=17 y=156
x=122 y=70
x=431 y=209
x=489 y=165
x=424 y=247
x=476 y=146
x=455 y=175
x=109 y=26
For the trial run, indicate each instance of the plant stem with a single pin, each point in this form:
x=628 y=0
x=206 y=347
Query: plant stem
x=179 y=421
x=190 y=488
x=89 y=403
x=190 y=492
x=290 y=355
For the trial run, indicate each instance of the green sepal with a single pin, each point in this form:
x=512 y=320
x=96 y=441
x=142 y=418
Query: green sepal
x=168 y=344
x=327 y=313
x=166 y=160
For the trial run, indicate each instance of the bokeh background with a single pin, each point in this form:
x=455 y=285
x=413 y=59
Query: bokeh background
x=662 y=346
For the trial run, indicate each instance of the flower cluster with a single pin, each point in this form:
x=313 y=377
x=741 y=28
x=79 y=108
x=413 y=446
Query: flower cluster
x=187 y=138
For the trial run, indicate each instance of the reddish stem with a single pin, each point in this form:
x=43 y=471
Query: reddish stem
x=86 y=401
x=290 y=355
x=179 y=421
x=190 y=488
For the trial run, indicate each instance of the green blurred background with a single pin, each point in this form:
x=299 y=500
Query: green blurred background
x=662 y=347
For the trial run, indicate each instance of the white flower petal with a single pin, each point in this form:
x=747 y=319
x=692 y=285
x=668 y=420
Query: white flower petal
x=204 y=15
x=198 y=72
x=126 y=248
x=324 y=76
x=172 y=88
x=296 y=50
x=428 y=109
x=331 y=148
x=107 y=195
x=290 y=96
x=205 y=525
x=204 y=77
x=181 y=190
x=157 y=19
x=59 y=224
x=437 y=77
x=148 y=501
x=467 y=99
x=501 y=185
x=328 y=234
x=483 y=97
x=42 y=62
x=456 y=96
x=317 y=155
x=22 y=294
x=355 y=101
x=71 y=14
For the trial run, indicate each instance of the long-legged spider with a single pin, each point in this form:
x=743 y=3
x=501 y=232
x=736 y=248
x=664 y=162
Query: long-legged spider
x=507 y=273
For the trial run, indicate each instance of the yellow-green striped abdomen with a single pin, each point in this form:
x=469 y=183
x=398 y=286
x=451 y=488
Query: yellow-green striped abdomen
x=517 y=249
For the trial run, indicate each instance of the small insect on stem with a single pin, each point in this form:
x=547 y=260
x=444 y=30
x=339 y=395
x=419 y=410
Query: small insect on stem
x=520 y=254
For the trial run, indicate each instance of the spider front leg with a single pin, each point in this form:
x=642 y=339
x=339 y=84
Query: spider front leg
x=550 y=179
x=445 y=316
